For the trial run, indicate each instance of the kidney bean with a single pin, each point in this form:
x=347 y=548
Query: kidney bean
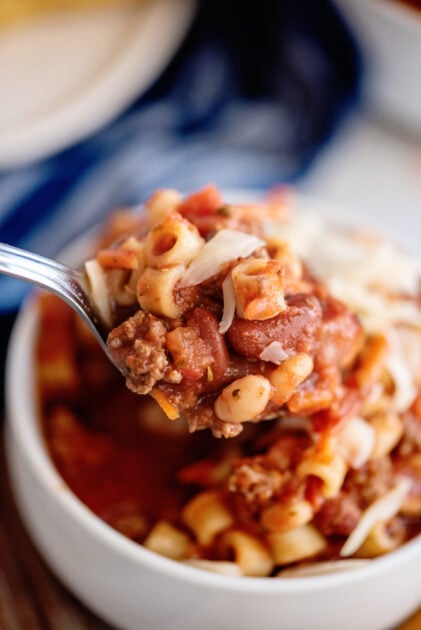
x=296 y=328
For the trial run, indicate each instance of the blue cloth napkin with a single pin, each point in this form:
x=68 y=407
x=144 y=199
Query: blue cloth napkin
x=249 y=99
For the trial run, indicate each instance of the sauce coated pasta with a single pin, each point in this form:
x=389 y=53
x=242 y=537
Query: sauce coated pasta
x=227 y=327
x=245 y=321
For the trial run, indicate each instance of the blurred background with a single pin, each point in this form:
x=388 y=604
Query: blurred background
x=103 y=101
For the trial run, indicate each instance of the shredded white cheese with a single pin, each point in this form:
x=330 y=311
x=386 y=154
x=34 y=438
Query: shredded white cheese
x=355 y=441
x=226 y=245
x=405 y=390
x=323 y=568
x=274 y=353
x=368 y=273
x=98 y=290
x=228 y=294
x=381 y=510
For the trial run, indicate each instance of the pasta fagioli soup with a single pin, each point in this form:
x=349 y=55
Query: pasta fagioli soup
x=272 y=421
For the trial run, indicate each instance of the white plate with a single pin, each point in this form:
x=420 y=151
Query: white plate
x=64 y=75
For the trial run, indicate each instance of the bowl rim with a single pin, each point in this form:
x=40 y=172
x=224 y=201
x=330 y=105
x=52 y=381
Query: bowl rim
x=23 y=425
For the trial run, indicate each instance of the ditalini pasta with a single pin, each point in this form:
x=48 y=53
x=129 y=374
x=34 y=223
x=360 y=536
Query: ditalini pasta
x=299 y=342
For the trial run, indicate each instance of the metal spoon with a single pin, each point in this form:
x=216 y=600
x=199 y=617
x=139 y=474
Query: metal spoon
x=67 y=283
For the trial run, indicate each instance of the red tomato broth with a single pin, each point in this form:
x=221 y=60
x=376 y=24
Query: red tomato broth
x=117 y=460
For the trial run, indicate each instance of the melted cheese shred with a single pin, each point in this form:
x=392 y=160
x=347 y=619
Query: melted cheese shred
x=381 y=510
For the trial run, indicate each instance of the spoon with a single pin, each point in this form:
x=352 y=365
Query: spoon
x=67 y=283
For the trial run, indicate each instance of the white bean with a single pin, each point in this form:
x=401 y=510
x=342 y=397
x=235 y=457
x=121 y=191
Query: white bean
x=289 y=375
x=244 y=399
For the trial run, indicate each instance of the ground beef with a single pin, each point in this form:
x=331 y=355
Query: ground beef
x=203 y=416
x=138 y=349
x=340 y=515
x=371 y=482
x=255 y=483
x=411 y=439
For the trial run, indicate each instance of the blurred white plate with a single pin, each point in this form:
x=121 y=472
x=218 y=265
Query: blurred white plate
x=63 y=76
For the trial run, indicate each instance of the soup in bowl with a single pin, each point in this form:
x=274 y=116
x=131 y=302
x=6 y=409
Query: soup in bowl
x=283 y=488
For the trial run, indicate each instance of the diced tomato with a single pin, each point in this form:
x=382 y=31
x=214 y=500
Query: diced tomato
x=201 y=473
x=198 y=348
x=346 y=406
x=118 y=258
x=201 y=208
x=313 y=491
x=208 y=326
x=416 y=406
x=190 y=353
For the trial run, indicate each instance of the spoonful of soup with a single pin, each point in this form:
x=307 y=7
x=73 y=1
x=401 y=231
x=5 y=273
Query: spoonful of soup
x=209 y=315
x=218 y=321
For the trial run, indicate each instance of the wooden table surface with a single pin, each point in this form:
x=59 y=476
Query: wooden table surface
x=31 y=598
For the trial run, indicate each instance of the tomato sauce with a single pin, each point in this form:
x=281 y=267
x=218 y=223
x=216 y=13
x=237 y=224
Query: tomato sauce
x=98 y=434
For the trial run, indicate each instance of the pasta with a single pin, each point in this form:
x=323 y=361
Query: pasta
x=325 y=464
x=155 y=290
x=174 y=241
x=207 y=515
x=251 y=555
x=161 y=204
x=246 y=329
x=258 y=289
x=381 y=539
x=388 y=430
x=168 y=541
x=287 y=515
x=296 y=544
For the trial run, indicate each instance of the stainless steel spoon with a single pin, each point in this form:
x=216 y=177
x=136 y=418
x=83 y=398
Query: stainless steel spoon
x=67 y=283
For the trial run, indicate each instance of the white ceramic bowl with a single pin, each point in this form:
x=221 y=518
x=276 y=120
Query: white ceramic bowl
x=134 y=588
x=389 y=34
